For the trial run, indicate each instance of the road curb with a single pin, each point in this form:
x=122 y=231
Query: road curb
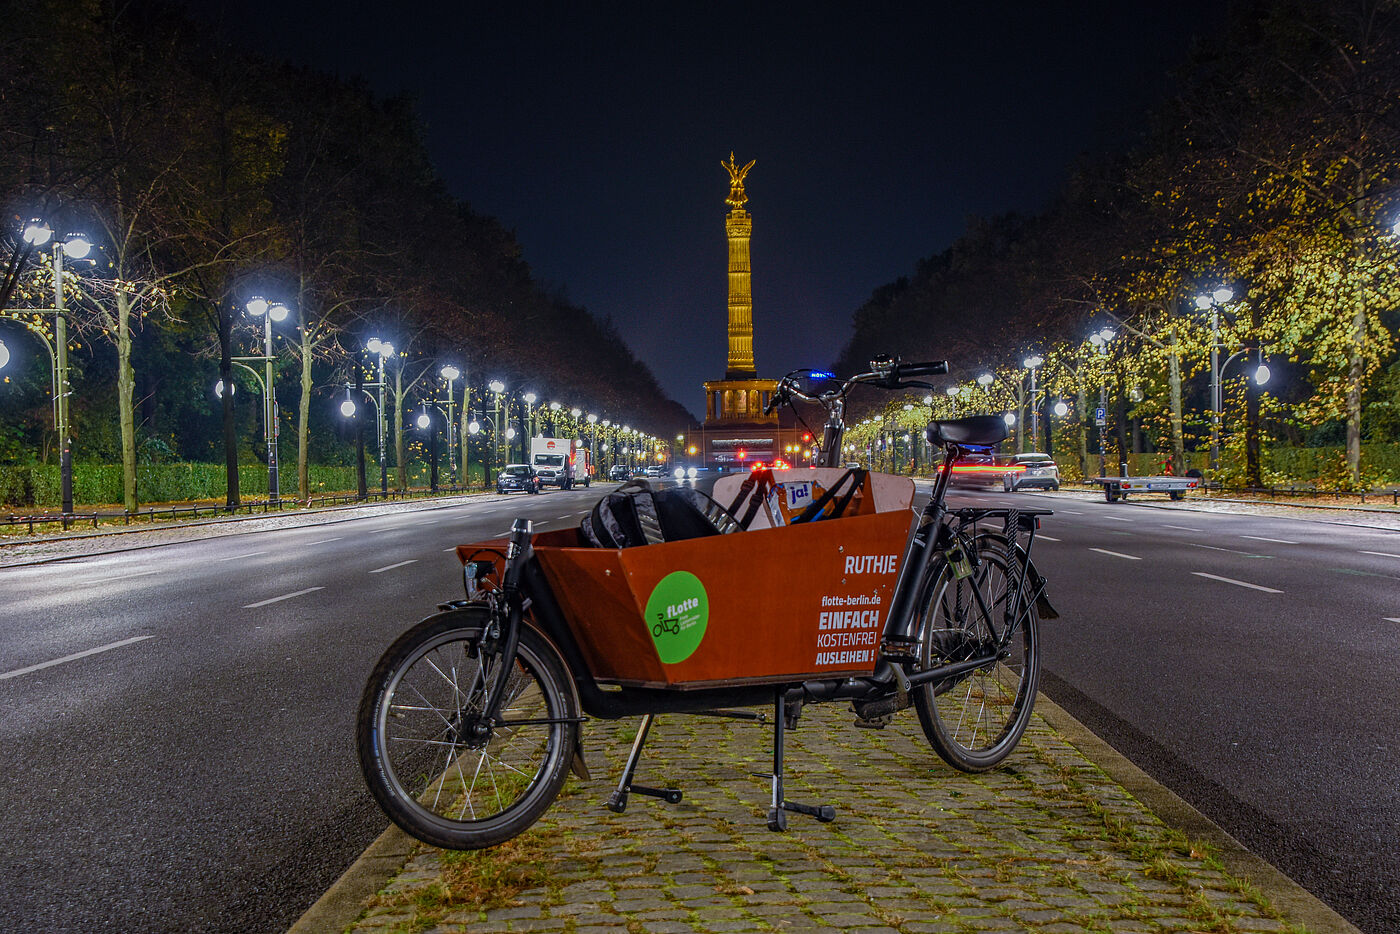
x=343 y=902
x=1295 y=902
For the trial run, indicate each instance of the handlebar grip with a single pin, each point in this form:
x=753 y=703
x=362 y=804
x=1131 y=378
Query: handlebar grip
x=932 y=368
x=775 y=399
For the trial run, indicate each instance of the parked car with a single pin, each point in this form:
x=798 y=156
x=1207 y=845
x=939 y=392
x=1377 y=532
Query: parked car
x=977 y=470
x=657 y=471
x=619 y=472
x=1031 y=470
x=517 y=478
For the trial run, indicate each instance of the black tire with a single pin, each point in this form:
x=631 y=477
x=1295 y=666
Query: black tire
x=974 y=720
x=411 y=733
x=1110 y=494
x=1175 y=494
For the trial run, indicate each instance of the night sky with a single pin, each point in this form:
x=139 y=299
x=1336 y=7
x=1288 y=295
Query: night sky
x=595 y=131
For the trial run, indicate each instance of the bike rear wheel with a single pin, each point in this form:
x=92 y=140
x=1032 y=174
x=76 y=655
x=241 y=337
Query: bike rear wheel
x=974 y=720
x=433 y=774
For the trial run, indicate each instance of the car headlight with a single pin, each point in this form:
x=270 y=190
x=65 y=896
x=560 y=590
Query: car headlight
x=680 y=473
x=692 y=473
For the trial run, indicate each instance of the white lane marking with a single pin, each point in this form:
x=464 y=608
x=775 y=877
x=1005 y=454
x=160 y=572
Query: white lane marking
x=1182 y=528
x=285 y=596
x=1119 y=518
x=381 y=531
x=321 y=542
x=1116 y=554
x=74 y=657
x=122 y=577
x=390 y=567
x=1277 y=541
x=569 y=516
x=1069 y=512
x=1045 y=538
x=453 y=548
x=1231 y=580
x=1380 y=554
x=251 y=554
x=1232 y=551
x=1391 y=619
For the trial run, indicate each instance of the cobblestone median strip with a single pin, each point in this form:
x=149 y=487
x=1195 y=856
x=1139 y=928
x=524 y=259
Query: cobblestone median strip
x=1049 y=843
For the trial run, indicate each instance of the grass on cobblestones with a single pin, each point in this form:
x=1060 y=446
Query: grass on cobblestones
x=472 y=880
x=1161 y=854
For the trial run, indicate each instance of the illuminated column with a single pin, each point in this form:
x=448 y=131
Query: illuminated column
x=737 y=226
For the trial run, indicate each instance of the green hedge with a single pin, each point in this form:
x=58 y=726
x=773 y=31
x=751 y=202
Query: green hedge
x=101 y=484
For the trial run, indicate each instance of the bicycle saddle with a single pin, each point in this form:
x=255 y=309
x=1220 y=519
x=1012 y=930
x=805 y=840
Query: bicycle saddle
x=975 y=429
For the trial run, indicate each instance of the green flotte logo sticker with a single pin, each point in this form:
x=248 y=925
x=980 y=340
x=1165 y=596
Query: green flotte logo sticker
x=676 y=615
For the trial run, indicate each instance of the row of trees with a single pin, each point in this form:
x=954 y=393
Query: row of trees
x=206 y=176
x=1273 y=172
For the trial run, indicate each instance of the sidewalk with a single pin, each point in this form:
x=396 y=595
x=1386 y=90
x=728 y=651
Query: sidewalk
x=1052 y=841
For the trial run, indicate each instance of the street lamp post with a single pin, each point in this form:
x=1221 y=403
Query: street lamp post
x=451 y=374
x=592 y=439
x=383 y=350
x=74 y=246
x=1212 y=303
x=259 y=307
x=425 y=423
x=497 y=388
x=1032 y=363
x=1099 y=339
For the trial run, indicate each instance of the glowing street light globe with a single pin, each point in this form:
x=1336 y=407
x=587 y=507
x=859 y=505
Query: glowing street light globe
x=4 y=354
x=450 y=372
x=1061 y=408
x=278 y=312
x=473 y=427
x=496 y=386
x=1222 y=295
x=347 y=408
x=218 y=387
x=985 y=379
x=424 y=421
x=37 y=233
x=76 y=246
x=1009 y=418
x=1261 y=375
x=257 y=307
x=529 y=398
x=510 y=434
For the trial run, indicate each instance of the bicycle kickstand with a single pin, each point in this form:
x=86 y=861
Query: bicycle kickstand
x=617 y=801
x=777 y=811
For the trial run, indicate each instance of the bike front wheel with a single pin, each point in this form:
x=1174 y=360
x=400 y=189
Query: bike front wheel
x=426 y=755
x=975 y=719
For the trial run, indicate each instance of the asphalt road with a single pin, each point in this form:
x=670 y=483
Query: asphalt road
x=197 y=773
x=1249 y=664
x=203 y=778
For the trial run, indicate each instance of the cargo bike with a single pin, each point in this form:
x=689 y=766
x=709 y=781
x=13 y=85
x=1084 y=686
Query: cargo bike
x=785 y=589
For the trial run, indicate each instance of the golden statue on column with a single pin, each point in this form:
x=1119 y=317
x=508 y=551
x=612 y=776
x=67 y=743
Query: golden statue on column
x=738 y=225
x=736 y=198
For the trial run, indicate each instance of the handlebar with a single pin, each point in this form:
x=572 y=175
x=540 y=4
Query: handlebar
x=885 y=373
x=932 y=368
